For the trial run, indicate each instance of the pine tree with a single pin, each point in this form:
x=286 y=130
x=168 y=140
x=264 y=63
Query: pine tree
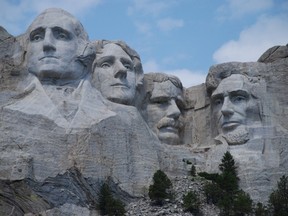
x=161 y=189
x=191 y=202
x=108 y=205
x=228 y=180
x=228 y=164
x=193 y=171
x=279 y=198
x=243 y=204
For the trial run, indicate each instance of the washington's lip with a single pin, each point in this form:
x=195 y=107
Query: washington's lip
x=49 y=56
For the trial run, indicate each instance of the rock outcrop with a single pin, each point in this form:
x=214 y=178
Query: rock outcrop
x=65 y=130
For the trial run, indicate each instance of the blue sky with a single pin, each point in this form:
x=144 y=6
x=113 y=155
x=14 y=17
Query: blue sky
x=180 y=37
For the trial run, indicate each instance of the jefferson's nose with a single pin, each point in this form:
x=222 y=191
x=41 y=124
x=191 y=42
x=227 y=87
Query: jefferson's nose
x=120 y=70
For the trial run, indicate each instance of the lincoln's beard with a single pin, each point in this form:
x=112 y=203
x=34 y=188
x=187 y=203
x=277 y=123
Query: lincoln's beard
x=238 y=136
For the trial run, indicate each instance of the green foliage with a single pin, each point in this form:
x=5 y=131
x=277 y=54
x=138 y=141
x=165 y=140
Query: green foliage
x=193 y=171
x=228 y=164
x=108 y=205
x=261 y=210
x=228 y=182
x=210 y=176
x=213 y=192
x=279 y=198
x=243 y=204
x=224 y=189
x=191 y=202
x=161 y=189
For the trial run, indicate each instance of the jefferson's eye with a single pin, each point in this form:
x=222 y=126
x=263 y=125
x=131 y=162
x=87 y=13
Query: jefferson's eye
x=105 y=65
x=128 y=66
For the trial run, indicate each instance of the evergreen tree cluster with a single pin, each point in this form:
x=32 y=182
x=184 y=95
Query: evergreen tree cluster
x=161 y=189
x=223 y=190
x=108 y=205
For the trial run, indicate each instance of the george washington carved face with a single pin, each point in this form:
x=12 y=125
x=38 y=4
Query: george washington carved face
x=55 y=38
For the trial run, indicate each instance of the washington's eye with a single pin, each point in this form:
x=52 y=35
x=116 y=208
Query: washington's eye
x=61 y=34
x=37 y=36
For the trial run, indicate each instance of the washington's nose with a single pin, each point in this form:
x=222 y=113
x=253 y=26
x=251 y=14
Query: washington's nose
x=173 y=111
x=227 y=107
x=48 y=42
x=120 y=70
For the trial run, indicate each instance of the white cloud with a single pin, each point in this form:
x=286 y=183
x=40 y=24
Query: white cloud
x=151 y=7
x=255 y=40
x=15 y=17
x=168 y=24
x=188 y=78
x=143 y=27
x=240 y=8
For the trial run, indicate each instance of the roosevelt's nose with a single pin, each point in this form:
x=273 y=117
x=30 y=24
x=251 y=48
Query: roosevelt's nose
x=120 y=70
x=173 y=110
x=49 y=41
x=227 y=107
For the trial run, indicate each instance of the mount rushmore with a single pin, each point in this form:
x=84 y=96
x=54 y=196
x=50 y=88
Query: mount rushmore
x=75 y=113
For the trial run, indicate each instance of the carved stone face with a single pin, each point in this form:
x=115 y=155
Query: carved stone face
x=52 y=48
x=114 y=75
x=234 y=108
x=163 y=112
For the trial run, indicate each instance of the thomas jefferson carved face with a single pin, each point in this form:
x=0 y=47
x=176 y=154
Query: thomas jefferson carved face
x=114 y=74
x=163 y=111
x=53 y=47
x=234 y=108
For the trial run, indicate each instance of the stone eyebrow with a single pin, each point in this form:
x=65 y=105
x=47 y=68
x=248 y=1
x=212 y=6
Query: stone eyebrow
x=239 y=92
x=35 y=31
x=109 y=59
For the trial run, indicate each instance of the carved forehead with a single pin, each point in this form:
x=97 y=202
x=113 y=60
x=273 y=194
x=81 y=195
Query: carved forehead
x=55 y=17
x=113 y=50
x=166 y=89
x=232 y=83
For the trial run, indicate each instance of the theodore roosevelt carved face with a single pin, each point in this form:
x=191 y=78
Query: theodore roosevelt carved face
x=117 y=71
x=55 y=42
x=234 y=108
x=164 y=101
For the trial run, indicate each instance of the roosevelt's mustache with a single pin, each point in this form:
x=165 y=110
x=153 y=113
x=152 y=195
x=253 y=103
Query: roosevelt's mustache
x=168 y=122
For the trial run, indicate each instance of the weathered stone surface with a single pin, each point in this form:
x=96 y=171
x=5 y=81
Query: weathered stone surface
x=64 y=131
x=274 y=53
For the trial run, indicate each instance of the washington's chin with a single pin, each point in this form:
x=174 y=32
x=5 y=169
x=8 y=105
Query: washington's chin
x=169 y=135
x=57 y=71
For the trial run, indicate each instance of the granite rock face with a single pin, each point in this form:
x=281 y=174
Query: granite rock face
x=70 y=121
